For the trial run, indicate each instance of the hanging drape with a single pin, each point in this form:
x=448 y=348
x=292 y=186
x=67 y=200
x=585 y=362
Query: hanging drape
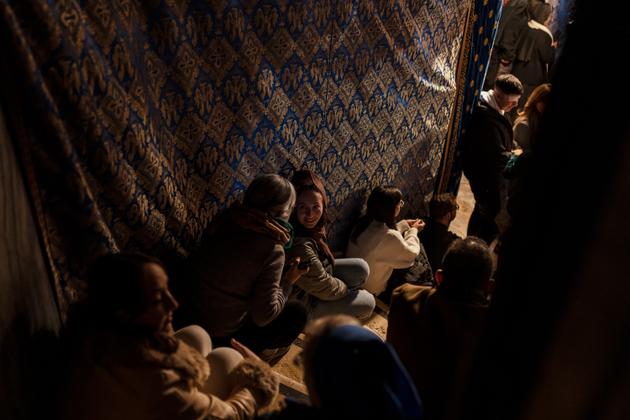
x=480 y=33
x=138 y=121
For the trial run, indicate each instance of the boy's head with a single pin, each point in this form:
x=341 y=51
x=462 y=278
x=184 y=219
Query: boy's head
x=507 y=91
x=466 y=268
x=443 y=208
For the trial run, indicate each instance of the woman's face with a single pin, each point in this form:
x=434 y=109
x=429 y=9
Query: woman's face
x=309 y=208
x=160 y=304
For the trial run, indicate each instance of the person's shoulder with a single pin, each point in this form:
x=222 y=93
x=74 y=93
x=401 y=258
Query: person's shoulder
x=430 y=225
x=452 y=236
x=256 y=240
x=485 y=113
x=390 y=234
x=481 y=108
x=411 y=293
x=301 y=245
x=375 y=229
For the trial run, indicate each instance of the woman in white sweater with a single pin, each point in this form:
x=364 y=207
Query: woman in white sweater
x=382 y=242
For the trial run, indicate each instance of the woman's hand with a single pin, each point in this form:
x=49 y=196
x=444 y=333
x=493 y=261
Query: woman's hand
x=294 y=271
x=243 y=349
x=417 y=223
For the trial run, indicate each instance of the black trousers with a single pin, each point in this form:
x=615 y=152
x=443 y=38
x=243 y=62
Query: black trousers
x=280 y=332
x=482 y=222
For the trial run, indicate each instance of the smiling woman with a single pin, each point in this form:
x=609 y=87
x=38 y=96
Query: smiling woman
x=330 y=286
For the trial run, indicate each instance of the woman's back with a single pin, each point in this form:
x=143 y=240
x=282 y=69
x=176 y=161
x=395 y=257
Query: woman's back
x=384 y=249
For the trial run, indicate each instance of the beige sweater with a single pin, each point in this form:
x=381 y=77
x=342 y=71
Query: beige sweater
x=385 y=249
x=117 y=377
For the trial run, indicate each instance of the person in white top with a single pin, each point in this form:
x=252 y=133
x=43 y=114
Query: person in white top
x=382 y=242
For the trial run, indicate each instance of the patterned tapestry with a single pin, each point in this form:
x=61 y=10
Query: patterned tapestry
x=138 y=121
x=482 y=28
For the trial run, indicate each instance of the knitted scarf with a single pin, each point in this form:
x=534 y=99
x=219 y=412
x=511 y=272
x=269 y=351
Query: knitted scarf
x=256 y=221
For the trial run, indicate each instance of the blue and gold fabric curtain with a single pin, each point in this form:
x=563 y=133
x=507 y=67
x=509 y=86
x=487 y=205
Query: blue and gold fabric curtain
x=138 y=121
x=475 y=55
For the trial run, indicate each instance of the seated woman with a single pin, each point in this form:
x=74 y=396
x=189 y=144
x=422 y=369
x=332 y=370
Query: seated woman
x=382 y=242
x=237 y=285
x=125 y=362
x=351 y=373
x=329 y=286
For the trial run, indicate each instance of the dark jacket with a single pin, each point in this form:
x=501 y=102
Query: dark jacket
x=511 y=27
x=486 y=147
x=436 y=338
x=235 y=274
x=317 y=283
x=534 y=57
x=436 y=238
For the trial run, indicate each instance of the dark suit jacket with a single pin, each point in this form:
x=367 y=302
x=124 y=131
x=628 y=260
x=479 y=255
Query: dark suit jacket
x=436 y=339
x=486 y=149
x=436 y=238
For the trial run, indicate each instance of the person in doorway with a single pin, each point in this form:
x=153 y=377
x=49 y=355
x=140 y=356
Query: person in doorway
x=486 y=149
x=435 y=237
x=536 y=50
x=382 y=242
x=436 y=331
x=331 y=285
x=123 y=360
x=512 y=25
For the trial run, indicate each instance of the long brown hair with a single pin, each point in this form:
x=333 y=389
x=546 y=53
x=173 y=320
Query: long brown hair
x=305 y=179
x=318 y=232
x=381 y=207
x=530 y=112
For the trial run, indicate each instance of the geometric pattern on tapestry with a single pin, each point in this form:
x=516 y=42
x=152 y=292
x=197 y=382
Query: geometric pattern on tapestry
x=146 y=119
x=487 y=16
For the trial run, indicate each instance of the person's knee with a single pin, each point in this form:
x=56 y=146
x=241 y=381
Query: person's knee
x=356 y=271
x=222 y=363
x=363 y=268
x=363 y=305
x=196 y=337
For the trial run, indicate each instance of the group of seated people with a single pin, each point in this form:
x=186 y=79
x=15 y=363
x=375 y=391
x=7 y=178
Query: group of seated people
x=261 y=272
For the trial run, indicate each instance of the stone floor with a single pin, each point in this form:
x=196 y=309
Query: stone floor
x=466 y=203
